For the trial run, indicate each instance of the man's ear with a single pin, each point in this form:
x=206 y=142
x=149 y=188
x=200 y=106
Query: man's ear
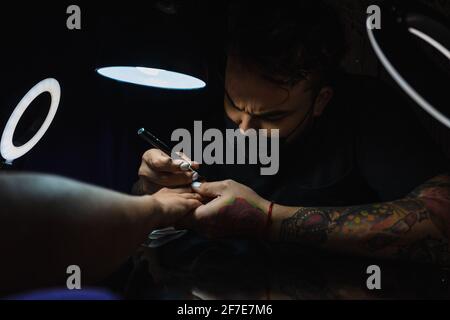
x=323 y=98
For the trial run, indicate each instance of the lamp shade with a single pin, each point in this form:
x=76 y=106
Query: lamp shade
x=152 y=77
x=156 y=49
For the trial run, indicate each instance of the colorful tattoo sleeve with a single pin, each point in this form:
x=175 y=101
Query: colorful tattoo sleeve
x=415 y=228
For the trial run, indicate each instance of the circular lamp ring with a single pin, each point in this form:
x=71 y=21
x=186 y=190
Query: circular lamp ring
x=8 y=150
x=401 y=81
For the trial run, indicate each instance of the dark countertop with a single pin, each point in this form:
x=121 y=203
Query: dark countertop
x=194 y=268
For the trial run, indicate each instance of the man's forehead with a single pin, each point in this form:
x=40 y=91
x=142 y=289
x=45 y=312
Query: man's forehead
x=250 y=88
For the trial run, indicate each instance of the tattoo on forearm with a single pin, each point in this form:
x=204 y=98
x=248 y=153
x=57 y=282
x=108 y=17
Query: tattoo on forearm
x=435 y=195
x=382 y=229
x=384 y=224
x=307 y=225
x=437 y=187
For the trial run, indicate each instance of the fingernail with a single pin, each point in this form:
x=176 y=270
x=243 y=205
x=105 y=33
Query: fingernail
x=178 y=162
x=185 y=166
x=196 y=185
x=195 y=176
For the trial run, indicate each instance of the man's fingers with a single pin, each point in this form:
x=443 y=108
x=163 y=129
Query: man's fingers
x=195 y=165
x=165 y=179
x=192 y=196
x=194 y=204
x=209 y=189
x=159 y=161
x=209 y=208
x=190 y=204
x=162 y=170
x=190 y=164
x=181 y=190
x=186 y=193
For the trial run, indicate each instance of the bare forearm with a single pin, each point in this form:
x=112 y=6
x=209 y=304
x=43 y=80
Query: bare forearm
x=49 y=223
x=413 y=228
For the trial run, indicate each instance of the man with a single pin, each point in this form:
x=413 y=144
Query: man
x=49 y=223
x=357 y=173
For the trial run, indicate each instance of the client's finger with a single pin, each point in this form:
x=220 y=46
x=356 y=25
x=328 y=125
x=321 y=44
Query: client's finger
x=192 y=196
x=209 y=189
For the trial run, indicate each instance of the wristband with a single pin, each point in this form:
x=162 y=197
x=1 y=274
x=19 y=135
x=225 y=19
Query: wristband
x=269 y=220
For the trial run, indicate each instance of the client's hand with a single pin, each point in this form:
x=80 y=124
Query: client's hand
x=171 y=205
x=235 y=211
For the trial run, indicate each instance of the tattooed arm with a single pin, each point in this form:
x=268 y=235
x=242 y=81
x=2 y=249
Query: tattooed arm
x=415 y=228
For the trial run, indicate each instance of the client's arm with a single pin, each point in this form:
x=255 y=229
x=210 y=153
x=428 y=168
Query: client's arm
x=48 y=223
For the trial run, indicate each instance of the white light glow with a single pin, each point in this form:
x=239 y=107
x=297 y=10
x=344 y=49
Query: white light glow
x=151 y=77
x=149 y=71
x=410 y=91
x=8 y=150
x=432 y=42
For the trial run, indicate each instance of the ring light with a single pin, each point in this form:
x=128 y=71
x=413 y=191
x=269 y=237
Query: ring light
x=428 y=31
x=8 y=150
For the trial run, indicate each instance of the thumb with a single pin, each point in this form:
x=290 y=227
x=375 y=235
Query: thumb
x=208 y=189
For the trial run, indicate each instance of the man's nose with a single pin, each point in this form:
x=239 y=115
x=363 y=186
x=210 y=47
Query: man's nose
x=247 y=122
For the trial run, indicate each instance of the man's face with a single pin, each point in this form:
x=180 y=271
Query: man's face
x=254 y=102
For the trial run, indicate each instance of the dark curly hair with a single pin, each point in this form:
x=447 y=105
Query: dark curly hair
x=287 y=40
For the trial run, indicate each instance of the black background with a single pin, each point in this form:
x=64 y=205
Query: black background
x=93 y=137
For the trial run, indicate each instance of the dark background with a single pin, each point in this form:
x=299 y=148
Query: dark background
x=93 y=137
